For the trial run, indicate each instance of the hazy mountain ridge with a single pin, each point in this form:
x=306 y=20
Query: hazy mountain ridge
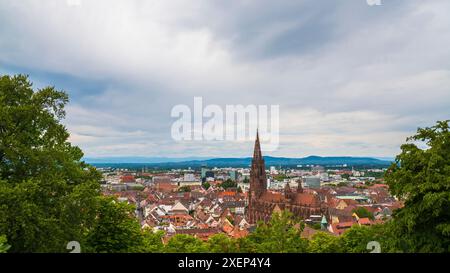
x=234 y=162
x=138 y=159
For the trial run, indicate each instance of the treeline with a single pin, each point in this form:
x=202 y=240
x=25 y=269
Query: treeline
x=49 y=197
x=281 y=235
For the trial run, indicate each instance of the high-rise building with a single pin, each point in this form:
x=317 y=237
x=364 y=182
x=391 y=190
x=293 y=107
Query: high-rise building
x=206 y=173
x=233 y=175
x=312 y=182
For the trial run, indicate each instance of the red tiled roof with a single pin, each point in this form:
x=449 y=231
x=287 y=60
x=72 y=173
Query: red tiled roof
x=226 y=193
x=202 y=234
x=227 y=228
x=127 y=178
x=165 y=187
x=306 y=199
x=173 y=216
x=238 y=233
x=377 y=186
x=345 y=225
x=364 y=221
x=272 y=196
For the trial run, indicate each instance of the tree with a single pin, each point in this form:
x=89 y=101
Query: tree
x=221 y=243
x=206 y=185
x=228 y=184
x=116 y=229
x=152 y=241
x=184 y=189
x=280 y=177
x=280 y=235
x=47 y=194
x=421 y=178
x=362 y=212
x=345 y=176
x=323 y=242
x=183 y=243
x=355 y=239
x=3 y=244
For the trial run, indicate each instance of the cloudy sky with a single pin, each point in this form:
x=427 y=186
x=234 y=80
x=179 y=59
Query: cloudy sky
x=350 y=79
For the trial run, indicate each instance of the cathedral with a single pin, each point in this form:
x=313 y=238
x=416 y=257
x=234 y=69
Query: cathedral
x=262 y=202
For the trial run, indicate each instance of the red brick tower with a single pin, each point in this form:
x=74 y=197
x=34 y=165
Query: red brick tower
x=258 y=179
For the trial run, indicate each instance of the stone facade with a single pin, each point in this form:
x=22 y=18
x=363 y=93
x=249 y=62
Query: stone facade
x=262 y=203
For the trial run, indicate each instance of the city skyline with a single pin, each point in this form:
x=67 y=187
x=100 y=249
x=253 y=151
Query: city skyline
x=351 y=79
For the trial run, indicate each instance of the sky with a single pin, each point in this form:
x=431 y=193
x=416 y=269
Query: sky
x=349 y=78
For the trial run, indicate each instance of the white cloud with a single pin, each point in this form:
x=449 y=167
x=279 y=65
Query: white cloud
x=349 y=78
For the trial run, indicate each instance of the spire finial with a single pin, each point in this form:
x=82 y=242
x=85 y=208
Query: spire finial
x=257 y=151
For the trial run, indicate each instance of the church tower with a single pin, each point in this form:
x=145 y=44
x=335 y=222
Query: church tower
x=258 y=179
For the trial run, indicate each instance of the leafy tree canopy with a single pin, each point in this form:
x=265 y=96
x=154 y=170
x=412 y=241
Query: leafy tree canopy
x=421 y=178
x=206 y=185
x=183 y=243
x=280 y=235
x=323 y=242
x=46 y=192
x=3 y=244
x=221 y=243
x=362 y=212
x=116 y=229
x=228 y=184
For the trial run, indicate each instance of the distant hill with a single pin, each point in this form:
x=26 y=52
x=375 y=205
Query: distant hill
x=193 y=162
x=137 y=159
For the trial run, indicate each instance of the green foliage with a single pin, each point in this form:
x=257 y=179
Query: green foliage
x=116 y=228
x=3 y=244
x=355 y=239
x=183 y=243
x=280 y=177
x=184 y=189
x=280 y=235
x=152 y=242
x=323 y=242
x=206 y=185
x=421 y=177
x=48 y=196
x=221 y=243
x=345 y=176
x=228 y=184
x=46 y=192
x=362 y=212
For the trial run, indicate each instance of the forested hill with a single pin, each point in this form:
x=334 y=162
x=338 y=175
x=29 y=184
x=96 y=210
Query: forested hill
x=240 y=162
